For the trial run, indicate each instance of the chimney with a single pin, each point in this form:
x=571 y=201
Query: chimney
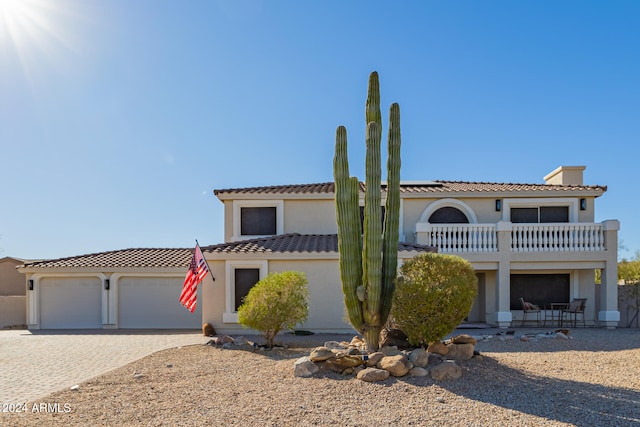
x=565 y=175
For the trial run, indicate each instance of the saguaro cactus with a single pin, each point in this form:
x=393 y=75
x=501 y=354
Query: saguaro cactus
x=368 y=263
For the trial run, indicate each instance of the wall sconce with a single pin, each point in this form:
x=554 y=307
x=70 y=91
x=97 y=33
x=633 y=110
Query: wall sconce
x=583 y=204
x=498 y=205
x=106 y=284
x=30 y=285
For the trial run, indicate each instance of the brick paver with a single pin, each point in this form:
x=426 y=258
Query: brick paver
x=34 y=364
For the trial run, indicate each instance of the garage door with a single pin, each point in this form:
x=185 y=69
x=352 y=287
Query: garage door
x=70 y=303
x=152 y=303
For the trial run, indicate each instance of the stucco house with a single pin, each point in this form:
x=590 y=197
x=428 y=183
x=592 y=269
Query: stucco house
x=12 y=294
x=536 y=241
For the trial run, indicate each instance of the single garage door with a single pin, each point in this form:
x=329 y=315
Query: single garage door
x=152 y=303
x=70 y=303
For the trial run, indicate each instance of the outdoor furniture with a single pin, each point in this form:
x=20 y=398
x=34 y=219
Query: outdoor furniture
x=575 y=308
x=553 y=312
x=528 y=308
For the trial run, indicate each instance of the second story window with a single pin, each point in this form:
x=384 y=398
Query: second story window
x=258 y=221
x=257 y=218
x=542 y=214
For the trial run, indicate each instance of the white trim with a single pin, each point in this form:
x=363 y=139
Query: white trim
x=239 y=204
x=230 y=315
x=570 y=202
x=443 y=203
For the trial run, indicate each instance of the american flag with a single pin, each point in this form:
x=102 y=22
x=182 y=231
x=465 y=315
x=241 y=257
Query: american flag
x=198 y=269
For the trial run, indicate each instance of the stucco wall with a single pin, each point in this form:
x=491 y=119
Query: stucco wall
x=326 y=306
x=13 y=311
x=310 y=217
x=11 y=281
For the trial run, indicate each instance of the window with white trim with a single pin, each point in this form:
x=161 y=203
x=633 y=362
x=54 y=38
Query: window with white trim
x=241 y=276
x=257 y=218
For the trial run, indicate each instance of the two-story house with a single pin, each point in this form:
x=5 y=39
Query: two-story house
x=535 y=241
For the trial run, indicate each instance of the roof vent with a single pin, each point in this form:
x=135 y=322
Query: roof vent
x=566 y=175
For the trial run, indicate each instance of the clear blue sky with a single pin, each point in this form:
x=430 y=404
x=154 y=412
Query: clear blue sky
x=119 y=118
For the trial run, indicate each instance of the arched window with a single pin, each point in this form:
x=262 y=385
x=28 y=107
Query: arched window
x=448 y=215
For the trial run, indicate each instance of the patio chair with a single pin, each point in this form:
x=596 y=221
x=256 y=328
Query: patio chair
x=575 y=308
x=528 y=308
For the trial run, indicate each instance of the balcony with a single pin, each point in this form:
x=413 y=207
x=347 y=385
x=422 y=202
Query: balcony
x=478 y=238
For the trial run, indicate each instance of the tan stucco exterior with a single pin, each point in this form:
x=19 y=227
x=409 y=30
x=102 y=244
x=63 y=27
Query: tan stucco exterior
x=13 y=308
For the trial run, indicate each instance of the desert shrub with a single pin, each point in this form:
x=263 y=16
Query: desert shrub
x=433 y=295
x=279 y=301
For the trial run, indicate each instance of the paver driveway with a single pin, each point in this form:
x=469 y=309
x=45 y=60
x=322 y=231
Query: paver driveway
x=36 y=363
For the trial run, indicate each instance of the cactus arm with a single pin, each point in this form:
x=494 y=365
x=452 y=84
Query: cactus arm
x=348 y=219
x=372 y=246
x=372 y=107
x=392 y=212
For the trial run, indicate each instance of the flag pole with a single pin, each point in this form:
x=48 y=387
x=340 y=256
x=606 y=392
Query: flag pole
x=205 y=261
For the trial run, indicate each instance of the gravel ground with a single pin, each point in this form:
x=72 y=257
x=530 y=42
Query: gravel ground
x=592 y=379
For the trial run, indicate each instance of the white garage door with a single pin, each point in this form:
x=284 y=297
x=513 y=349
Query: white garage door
x=152 y=303
x=70 y=303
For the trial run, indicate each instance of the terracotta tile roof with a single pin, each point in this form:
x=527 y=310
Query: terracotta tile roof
x=127 y=258
x=420 y=187
x=180 y=258
x=294 y=242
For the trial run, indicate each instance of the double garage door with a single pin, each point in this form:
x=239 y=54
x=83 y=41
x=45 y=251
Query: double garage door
x=142 y=303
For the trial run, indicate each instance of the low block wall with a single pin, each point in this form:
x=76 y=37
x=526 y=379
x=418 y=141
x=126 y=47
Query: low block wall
x=13 y=311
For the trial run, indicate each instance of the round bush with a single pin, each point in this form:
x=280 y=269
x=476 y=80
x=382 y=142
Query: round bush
x=433 y=295
x=279 y=301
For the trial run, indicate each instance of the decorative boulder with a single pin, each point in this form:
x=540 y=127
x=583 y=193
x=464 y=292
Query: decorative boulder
x=438 y=348
x=373 y=374
x=464 y=339
x=339 y=364
x=447 y=370
x=334 y=345
x=396 y=365
x=419 y=357
x=321 y=354
x=374 y=358
x=389 y=351
x=418 y=372
x=304 y=367
x=460 y=351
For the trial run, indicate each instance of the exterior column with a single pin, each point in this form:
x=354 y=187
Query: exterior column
x=503 y=316
x=609 y=315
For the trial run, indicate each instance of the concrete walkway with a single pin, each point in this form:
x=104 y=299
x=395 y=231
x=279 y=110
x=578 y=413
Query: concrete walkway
x=34 y=364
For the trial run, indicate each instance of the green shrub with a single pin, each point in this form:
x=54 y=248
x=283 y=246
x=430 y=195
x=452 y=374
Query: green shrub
x=279 y=301
x=434 y=293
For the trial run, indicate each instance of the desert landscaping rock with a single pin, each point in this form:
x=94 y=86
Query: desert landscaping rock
x=304 y=367
x=460 y=351
x=339 y=364
x=390 y=350
x=464 y=339
x=374 y=358
x=438 y=348
x=447 y=370
x=397 y=366
x=321 y=354
x=373 y=375
x=418 y=372
x=419 y=357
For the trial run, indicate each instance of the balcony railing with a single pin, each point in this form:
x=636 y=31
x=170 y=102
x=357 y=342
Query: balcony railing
x=462 y=237
x=562 y=237
x=557 y=238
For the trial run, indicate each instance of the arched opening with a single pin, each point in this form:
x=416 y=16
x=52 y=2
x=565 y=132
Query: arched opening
x=448 y=215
